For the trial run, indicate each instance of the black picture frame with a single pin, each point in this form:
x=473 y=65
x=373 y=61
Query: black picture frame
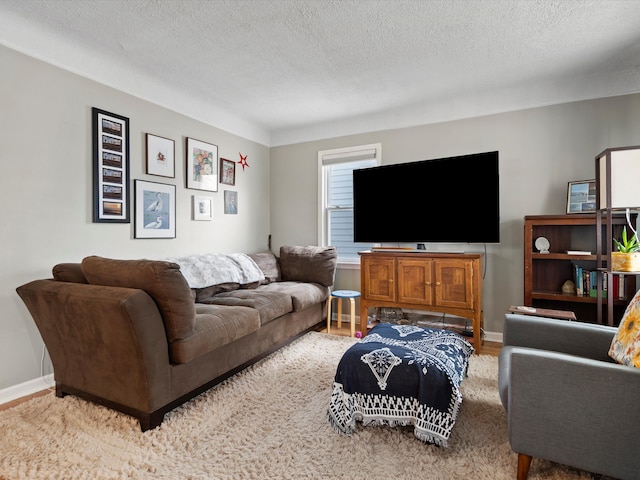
x=155 y=207
x=202 y=165
x=161 y=156
x=110 y=167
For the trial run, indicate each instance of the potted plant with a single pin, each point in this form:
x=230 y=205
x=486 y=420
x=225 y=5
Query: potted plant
x=627 y=258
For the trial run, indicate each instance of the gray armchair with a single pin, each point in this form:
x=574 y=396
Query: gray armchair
x=566 y=400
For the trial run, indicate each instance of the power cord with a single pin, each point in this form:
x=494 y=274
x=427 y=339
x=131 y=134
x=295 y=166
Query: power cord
x=484 y=264
x=44 y=349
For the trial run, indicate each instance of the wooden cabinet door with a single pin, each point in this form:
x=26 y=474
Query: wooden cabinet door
x=414 y=281
x=453 y=283
x=380 y=279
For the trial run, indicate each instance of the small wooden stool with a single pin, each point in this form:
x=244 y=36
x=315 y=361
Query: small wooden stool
x=340 y=294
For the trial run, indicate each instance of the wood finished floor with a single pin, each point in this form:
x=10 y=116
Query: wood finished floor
x=488 y=348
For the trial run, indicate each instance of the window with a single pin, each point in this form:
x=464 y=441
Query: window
x=336 y=197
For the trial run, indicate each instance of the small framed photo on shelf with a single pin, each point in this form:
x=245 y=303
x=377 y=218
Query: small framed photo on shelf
x=155 y=207
x=110 y=167
x=202 y=208
x=160 y=156
x=202 y=165
x=227 y=171
x=581 y=196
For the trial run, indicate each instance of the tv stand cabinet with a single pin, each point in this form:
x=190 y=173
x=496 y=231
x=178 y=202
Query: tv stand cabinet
x=437 y=282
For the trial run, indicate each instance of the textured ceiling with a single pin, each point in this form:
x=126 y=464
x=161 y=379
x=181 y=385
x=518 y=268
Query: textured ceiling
x=284 y=71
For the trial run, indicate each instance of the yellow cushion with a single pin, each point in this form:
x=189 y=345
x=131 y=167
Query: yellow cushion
x=625 y=347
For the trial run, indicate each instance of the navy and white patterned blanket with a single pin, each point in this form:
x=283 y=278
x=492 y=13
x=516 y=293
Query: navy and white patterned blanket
x=401 y=375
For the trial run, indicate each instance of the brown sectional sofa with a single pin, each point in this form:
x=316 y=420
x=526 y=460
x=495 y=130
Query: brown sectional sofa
x=136 y=336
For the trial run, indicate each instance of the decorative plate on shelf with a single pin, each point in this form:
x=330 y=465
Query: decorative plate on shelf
x=542 y=244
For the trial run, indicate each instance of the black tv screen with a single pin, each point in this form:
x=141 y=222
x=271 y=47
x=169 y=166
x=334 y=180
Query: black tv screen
x=446 y=200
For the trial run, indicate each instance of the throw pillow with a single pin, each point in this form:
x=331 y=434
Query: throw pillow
x=309 y=264
x=69 y=272
x=268 y=263
x=625 y=346
x=161 y=280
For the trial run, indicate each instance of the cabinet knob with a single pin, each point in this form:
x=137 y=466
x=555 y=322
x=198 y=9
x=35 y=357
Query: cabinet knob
x=437 y=284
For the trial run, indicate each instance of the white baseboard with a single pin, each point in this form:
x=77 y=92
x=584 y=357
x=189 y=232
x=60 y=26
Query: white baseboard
x=488 y=336
x=27 y=388
x=493 y=337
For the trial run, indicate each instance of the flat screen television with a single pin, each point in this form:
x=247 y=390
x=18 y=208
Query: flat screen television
x=445 y=200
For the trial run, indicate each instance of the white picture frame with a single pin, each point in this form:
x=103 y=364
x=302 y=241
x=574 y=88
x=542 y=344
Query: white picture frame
x=202 y=208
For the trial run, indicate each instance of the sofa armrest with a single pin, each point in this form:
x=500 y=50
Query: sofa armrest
x=109 y=342
x=575 y=411
x=575 y=338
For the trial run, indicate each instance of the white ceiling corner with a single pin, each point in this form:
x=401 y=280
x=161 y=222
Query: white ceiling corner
x=286 y=71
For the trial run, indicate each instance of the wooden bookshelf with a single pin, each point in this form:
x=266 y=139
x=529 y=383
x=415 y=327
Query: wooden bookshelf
x=545 y=273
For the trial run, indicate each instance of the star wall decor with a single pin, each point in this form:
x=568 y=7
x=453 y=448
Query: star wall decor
x=243 y=161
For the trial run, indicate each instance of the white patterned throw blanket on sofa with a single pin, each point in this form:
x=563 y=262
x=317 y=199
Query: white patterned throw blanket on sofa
x=203 y=270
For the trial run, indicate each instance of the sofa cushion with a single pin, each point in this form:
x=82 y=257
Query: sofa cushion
x=215 y=326
x=269 y=304
x=303 y=295
x=161 y=280
x=268 y=263
x=69 y=272
x=308 y=264
x=211 y=290
x=625 y=346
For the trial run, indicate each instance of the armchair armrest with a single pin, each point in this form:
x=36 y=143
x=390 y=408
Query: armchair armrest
x=594 y=403
x=575 y=338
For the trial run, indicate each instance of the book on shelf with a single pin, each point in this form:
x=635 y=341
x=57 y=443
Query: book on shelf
x=587 y=283
x=578 y=252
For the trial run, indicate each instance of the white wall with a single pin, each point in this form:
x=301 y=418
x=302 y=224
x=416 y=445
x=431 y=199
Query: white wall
x=46 y=191
x=46 y=184
x=540 y=151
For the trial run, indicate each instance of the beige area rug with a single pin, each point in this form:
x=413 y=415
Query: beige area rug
x=268 y=422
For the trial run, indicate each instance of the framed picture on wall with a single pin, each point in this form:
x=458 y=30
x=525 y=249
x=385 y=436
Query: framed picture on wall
x=202 y=208
x=110 y=167
x=160 y=156
x=227 y=171
x=581 y=196
x=202 y=165
x=230 y=202
x=155 y=207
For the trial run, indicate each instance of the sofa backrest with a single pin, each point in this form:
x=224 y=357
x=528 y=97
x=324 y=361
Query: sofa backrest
x=161 y=280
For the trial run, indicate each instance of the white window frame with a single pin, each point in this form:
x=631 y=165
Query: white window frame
x=333 y=156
